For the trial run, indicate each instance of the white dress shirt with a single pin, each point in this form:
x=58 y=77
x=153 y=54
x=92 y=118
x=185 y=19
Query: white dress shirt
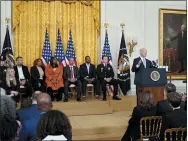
x=87 y=65
x=20 y=73
x=142 y=62
x=41 y=72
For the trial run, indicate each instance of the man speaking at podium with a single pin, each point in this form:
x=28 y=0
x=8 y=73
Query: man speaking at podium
x=141 y=63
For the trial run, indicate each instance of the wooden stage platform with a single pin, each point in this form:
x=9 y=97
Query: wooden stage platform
x=98 y=120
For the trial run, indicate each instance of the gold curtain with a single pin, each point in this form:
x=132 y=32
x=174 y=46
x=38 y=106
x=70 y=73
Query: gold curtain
x=29 y=24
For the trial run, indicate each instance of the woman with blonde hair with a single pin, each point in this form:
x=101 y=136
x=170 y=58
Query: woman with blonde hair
x=11 y=85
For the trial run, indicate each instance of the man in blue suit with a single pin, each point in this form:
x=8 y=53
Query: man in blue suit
x=28 y=132
x=30 y=112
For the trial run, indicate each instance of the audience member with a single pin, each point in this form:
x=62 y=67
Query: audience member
x=38 y=76
x=144 y=109
x=71 y=76
x=54 y=123
x=163 y=105
x=29 y=111
x=22 y=74
x=175 y=119
x=9 y=127
x=2 y=91
x=8 y=107
x=44 y=104
x=105 y=75
x=2 y=72
x=88 y=76
x=54 y=79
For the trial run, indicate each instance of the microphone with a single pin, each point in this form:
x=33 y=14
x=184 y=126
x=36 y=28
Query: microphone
x=154 y=64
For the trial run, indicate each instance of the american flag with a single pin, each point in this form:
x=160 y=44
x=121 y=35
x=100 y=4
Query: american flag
x=46 y=52
x=59 y=52
x=106 y=49
x=70 y=50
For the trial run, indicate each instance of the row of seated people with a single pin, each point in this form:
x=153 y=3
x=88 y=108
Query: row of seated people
x=173 y=111
x=56 y=79
x=34 y=121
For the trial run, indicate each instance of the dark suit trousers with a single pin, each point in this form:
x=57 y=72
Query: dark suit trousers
x=58 y=94
x=113 y=82
x=78 y=85
x=84 y=86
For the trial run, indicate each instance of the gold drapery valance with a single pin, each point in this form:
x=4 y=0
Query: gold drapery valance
x=29 y=24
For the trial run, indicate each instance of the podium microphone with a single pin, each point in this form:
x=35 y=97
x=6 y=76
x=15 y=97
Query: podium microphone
x=154 y=64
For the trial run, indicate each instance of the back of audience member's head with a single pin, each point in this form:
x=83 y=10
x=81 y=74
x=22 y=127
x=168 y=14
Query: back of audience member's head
x=170 y=88
x=26 y=103
x=35 y=95
x=44 y=102
x=174 y=99
x=8 y=106
x=53 y=122
x=9 y=127
x=146 y=100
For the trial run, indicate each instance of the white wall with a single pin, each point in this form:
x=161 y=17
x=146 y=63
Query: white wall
x=141 y=18
x=5 y=13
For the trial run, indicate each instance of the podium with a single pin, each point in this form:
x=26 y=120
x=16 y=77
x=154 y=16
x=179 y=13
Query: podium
x=153 y=80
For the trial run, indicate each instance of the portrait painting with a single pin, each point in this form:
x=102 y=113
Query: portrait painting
x=173 y=42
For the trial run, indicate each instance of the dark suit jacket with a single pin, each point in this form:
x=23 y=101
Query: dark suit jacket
x=174 y=119
x=25 y=73
x=182 y=45
x=3 y=77
x=163 y=107
x=28 y=113
x=35 y=76
x=135 y=62
x=133 y=129
x=84 y=71
x=67 y=73
x=105 y=72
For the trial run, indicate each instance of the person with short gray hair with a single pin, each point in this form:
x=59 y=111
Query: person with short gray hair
x=8 y=106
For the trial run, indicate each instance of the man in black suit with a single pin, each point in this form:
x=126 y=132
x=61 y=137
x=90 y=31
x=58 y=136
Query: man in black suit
x=71 y=76
x=175 y=119
x=181 y=47
x=22 y=74
x=105 y=75
x=88 y=76
x=163 y=106
x=2 y=72
x=141 y=63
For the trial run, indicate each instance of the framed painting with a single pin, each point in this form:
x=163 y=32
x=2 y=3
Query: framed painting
x=173 y=42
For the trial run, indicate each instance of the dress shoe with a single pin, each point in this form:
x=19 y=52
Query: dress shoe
x=65 y=100
x=78 y=99
x=116 y=98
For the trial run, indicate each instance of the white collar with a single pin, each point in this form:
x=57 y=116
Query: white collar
x=176 y=108
x=34 y=102
x=142 y=58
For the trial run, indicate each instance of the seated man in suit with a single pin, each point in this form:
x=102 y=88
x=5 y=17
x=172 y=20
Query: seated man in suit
x=22 y=73
x=71 y=76
x=30 y=112
x=141 y=63
x=105 y=75
x=88 y=76
x=175 y=119
x=163 y=106
x=28 y=132
x=2 y=72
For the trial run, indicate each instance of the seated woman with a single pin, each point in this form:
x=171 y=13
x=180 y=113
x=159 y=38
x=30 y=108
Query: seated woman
x=11 y=85
x=12 y=89
x=37 y=76
x=144 y=109
x=54 y=79
x=56 y=124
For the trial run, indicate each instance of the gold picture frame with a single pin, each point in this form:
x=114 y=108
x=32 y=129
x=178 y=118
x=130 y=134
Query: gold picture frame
x=164 y=13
